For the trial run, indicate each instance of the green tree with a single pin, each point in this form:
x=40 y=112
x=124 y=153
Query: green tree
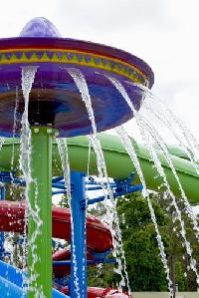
x=144 y=265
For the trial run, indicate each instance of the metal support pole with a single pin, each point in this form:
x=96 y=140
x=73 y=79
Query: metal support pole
x=78 y=286
x=2 y=238
x=40 y=215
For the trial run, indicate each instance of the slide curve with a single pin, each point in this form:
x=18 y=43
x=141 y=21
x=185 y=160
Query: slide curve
x=119 y=165
x=12 y=220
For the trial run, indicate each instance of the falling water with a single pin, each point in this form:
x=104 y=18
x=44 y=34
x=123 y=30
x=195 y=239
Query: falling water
x=142 y=124
x=182 y=143
x=157 y=138
x=28 y=75
x=83 y=88
x=63 y=152
x=192 y=143
x=145 y=127
x=94 y=141
x=14 y=128
x=2 y=140
x=13 y=145
x=102 y=171
x=158 y=165
x=130 y=150
x=187 y=140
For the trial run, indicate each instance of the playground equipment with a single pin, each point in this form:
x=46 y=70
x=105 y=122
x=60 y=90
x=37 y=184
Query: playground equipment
x=115 y=154
x=55 y=107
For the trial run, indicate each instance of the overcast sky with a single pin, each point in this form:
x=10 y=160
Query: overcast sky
x=162 y=32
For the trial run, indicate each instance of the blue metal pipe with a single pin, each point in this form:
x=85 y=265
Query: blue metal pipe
x=78 y=282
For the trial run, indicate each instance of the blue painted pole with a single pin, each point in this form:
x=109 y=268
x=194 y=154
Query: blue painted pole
x=78 y=286
x=2 y=238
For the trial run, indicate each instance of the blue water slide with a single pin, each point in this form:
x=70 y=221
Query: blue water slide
x=11 y=283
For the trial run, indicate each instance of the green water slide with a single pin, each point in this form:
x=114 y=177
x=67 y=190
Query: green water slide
x=118 y=163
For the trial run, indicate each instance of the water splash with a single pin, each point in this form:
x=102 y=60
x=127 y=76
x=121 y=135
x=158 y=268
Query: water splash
x=14 y=128
x=172 y=128
x=132 y=153
x=145 y=127
x=65 y=162
x=191 y=142
x=63 y=152
x=186 y=139
x=28 y=75
x=13 y=145
x=81 y=84
x=2 y=140
x=162 y=147
x=149 y=138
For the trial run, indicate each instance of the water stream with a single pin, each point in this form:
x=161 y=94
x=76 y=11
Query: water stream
x=145 y=128
x=145 y=125
x=28 y=75
x=63 y=152
x=14 y=128
x=13 y=145
x=2 y=140
x=150 y=137
x=181 y=132
x=166 y=121
x=191 y=142
x=163 y=149
x=149 y=140
x=82 y=86
x=132 y=153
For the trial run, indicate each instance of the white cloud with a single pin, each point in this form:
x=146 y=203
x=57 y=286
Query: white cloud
x=13 y=16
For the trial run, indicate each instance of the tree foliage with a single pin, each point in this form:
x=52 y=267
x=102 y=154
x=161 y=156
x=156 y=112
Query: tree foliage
x=144 y=265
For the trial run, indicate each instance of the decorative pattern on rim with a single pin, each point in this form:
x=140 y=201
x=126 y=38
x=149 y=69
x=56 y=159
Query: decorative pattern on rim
x=73 y=57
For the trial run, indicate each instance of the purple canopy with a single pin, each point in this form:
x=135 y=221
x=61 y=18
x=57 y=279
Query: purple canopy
x=54 y=98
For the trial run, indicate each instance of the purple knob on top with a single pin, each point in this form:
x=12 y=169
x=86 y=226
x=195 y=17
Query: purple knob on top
x=40 y=27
